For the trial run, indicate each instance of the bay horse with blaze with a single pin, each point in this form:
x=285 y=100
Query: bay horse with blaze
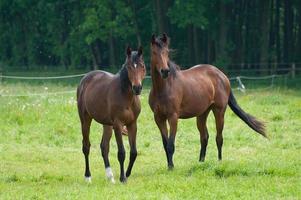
x=113 y=101
x=190 y=93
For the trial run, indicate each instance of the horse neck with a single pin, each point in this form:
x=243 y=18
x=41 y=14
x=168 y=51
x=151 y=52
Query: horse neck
x=125 y=87
x=158 y=84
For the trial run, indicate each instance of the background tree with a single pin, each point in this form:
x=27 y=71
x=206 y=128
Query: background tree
x=232 y=34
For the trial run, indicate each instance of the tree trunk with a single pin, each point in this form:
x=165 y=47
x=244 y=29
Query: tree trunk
x=196 y=45
x=190 y=46
x=137 y=31
x=277 y=32
x=158 y=13
x=222 y=32
x=161 y=8
x=111 y=50
x=264 y=31
x=288 y=31
x=209 y=47
x=96 y=56
x=239 y=20
x=247 y=35
x=298 y=48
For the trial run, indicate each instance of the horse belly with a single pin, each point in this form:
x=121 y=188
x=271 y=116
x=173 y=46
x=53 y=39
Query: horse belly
x=192 y=112
x=101 y=116
x=98 y=108
x=196 y=105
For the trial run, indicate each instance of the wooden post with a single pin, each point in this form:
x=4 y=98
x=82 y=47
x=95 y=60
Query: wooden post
x=293 y=70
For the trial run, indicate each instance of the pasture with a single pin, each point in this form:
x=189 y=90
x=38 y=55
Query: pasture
x=41 y=157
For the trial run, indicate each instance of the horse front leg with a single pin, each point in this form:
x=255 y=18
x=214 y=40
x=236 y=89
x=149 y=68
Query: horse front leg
x=132 y=132
x=161 y=123
x=173 y=123
x=121 y=151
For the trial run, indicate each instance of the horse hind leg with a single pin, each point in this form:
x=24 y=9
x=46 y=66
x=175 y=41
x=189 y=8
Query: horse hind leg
x=219 y=121
x=204 y=136
x=85 y=124
x=105 y=148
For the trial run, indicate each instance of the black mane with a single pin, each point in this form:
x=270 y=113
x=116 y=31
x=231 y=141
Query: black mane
x=123 y=72
x=124 y=78
x=173 y=67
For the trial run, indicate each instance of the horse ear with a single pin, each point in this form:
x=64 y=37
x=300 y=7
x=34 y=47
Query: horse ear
x=153 y=39
x=164 y=38
x=140 y=51
x=128 y=51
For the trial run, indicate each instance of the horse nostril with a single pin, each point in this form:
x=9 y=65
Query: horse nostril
x=164 y=71
x=137 y=89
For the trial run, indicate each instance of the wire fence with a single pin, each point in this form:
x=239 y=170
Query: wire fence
x=42 y=78
x=241 y=83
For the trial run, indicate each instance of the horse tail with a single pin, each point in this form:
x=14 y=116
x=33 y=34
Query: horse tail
x=250 y=120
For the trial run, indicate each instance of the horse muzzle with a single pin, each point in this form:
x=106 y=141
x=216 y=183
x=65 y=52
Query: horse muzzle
x=137 y=89
x=164 y=73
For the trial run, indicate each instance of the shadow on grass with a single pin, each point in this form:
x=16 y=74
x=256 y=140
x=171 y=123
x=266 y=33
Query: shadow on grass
x=43 y=178
x=225 y=170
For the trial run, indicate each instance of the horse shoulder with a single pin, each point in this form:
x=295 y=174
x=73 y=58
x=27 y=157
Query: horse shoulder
x=123 y=107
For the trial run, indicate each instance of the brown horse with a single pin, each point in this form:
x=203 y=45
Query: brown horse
x=113 y=101
x=190 y=93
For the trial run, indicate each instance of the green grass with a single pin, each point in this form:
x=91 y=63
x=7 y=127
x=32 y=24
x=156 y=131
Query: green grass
x=41 y=158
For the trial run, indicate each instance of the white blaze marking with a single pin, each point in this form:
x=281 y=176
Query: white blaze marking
x=110 y=175
x=135 y=65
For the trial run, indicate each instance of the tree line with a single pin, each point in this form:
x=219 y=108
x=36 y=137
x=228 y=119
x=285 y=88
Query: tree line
x=93 y=34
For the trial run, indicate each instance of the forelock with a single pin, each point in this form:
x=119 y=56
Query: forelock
x=160 y=43
x=134 y=57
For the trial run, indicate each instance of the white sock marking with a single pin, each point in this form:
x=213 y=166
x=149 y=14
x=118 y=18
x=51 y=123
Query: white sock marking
x=88 y=179
x=109 y=174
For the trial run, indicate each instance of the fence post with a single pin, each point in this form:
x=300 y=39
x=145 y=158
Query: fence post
x=293 y=70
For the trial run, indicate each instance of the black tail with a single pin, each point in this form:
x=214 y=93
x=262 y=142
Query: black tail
x=252 y=122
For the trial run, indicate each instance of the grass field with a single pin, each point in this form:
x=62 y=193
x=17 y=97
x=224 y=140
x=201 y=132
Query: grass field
x=41 y=158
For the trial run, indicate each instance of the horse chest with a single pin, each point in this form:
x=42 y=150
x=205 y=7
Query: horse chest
x=165 y=105
x=128 y=114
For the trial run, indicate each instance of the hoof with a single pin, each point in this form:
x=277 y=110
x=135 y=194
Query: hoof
x=170 y=167
x=123 y=179
x=112 y=180
x=88 y=179
x=127 y=174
